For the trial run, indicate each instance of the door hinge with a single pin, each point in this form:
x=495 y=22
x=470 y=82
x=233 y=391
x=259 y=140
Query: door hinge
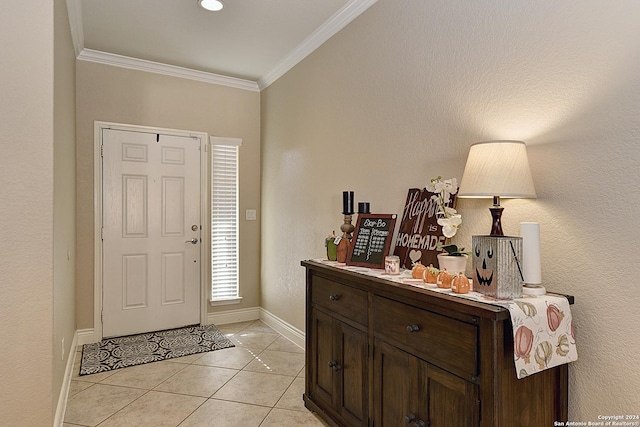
x=102 y=233
x=101 y=150
x=479 y=410
x=102 y=317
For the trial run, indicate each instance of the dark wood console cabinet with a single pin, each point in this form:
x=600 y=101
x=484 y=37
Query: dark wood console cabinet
x=380 y=353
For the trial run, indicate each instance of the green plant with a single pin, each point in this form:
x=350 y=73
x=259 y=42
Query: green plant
x=452 y=250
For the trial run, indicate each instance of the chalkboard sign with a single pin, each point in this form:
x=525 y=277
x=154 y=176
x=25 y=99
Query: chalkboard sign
x=371 y=240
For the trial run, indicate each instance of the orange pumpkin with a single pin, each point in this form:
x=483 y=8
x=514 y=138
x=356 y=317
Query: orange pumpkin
x=417 y=272
x=430 y=274
x=460 y=284
x=444 y=279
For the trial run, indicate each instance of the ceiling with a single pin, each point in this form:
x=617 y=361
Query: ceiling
x=252 y=40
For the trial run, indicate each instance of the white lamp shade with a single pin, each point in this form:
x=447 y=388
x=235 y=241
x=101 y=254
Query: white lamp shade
x=497 y=168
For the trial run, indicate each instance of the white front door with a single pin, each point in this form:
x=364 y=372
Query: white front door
x=151 y=232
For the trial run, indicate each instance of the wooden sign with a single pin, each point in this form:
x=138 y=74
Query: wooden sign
x=371 y=240
x=419 y=233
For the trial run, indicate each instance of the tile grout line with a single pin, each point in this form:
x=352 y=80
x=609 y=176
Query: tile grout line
x=251 y=327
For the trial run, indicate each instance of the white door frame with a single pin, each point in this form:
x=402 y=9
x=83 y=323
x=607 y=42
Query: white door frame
x=97 y=213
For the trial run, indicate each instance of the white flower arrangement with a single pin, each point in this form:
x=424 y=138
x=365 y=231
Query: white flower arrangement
x=448 y=218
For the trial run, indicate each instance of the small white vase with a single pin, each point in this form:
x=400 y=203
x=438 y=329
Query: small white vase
x=453 y=264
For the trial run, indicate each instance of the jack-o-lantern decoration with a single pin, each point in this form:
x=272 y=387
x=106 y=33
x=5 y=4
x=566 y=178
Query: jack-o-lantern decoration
x=497 y=266
x=484 y=274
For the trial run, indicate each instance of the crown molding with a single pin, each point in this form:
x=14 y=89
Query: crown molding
x=168 y=70
x=338 y=21
x=74 y=10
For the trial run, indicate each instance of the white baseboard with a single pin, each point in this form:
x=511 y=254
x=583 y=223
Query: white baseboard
x=290 y=332
x=66 y=384
x=233 y=316
x=285 y=329
x=86 y=336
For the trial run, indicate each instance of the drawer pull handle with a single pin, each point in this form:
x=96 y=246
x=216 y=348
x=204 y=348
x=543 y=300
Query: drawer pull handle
x=334 y=297
x=410 y=418
x=413 y=328
x=420 y=423
x=335 y=366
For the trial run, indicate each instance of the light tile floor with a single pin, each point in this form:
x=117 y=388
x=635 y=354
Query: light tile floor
x=257 y=383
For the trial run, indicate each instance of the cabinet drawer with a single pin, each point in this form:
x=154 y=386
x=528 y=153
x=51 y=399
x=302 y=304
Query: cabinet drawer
x=443 y=341
x=341 y=299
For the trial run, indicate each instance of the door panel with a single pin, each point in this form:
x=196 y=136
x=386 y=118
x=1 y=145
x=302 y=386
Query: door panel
x=393 y=374
x=451 y=401
x=173 y=285
x=134 y=205
x=322 y=382
x=151 y=200
x=173 y=208
x=354 y=374
x=134 y=281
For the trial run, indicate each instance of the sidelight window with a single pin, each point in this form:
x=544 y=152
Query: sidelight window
x=224 y=220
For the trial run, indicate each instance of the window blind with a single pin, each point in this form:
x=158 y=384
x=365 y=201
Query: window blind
x=224 y=218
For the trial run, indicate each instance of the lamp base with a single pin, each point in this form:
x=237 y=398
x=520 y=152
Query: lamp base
x=535 y=290
x=496 y=226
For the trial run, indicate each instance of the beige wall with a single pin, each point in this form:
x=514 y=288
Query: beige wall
x=111 y=94
x=397 y=98
x=26 y=212
x=64 y=191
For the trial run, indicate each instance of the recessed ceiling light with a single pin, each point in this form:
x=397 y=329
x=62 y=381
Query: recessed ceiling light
x=212 y=5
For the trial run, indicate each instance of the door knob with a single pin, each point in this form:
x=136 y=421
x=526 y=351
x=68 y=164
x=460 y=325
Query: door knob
x=192 y=241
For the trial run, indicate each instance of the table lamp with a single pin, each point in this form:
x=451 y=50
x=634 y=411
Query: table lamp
x=497 y=169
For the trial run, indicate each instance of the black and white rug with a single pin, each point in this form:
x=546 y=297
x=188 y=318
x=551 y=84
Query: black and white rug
x=115 y=353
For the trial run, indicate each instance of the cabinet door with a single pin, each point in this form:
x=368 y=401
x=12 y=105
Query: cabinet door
x=322 y=388
x=398 y=377
x=352 y=371
x=451 y=401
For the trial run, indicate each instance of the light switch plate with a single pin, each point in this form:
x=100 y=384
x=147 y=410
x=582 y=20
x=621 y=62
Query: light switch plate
x=250 y=214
